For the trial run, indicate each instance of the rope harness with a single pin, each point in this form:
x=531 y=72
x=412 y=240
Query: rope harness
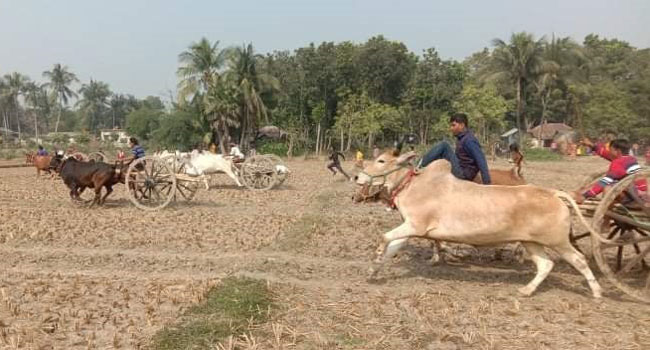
x=402 y=184
x=375 y=188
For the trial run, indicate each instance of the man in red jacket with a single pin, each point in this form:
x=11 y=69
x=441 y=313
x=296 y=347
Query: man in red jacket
x=621 y=166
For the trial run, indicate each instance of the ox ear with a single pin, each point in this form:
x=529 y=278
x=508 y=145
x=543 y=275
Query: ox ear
x=405 y=158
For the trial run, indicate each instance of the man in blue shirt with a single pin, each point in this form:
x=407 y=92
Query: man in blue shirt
x=136 y=149
x=468 y=160
x=41 y=151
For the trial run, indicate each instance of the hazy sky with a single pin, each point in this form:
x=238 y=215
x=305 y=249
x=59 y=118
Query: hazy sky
x=133 y=45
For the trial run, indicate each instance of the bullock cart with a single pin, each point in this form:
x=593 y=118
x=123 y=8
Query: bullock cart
x=625 y=260
x=260 y=172
x=153 y=182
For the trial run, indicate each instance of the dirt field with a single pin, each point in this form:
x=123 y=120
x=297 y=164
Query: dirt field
x=73 y=277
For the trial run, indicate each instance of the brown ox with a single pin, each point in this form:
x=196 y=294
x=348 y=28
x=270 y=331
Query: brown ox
x=505 y=177
x=42 y=163
x=436 y=205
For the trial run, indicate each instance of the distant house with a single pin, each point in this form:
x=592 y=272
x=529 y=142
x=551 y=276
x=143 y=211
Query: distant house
x=119 y=137
x=547 y=132
x=510 y=136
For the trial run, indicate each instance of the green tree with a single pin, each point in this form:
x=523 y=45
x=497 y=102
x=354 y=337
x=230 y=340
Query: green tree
x=60 y=80
x=250 y=83
x=14 y=88
x=485 y=108
x=93 y=103
x=519 y=62
x=608 y=108
x=179 y=130
x=385 y=69
x=200 y=70
x=143 y=122
x=433 y=88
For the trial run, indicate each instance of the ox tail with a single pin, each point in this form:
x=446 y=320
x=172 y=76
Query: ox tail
x=572 y=203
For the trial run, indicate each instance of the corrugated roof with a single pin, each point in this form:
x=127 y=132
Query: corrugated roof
x=510 y=132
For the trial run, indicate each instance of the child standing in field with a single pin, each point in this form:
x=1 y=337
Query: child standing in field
x=359 y=159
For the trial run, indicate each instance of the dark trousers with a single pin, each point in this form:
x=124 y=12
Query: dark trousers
x=336 y=165
x=442 y=150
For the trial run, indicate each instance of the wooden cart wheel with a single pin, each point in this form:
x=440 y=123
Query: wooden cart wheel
x=184 y=186
x=98 y=157
x=151 y=183
x=258 y=173
x=625 y=261
x=281 y=177
x=584 y=186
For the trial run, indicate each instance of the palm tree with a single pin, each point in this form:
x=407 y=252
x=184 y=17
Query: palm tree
x=33 y=94
x=3 y=106
x=15 y=87
x=60 y=81
x=118 y=106
x=94 y=99
x=519 y=62
x=200 y=69
x=251 y=83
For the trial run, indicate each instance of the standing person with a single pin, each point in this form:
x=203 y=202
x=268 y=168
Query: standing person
x=41 y=151
x=375 y=152
x=336 y=163
x=468 y=160
x=634 y=152
x=359 y=159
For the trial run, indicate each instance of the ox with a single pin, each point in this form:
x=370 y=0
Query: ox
x=205 y=163
x=79 y=175
x=42 y=163
x=436 y=205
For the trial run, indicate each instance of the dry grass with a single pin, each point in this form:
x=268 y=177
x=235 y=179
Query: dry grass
x=113 y=277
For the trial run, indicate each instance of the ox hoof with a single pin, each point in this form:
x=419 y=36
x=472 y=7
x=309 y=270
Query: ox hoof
x=526 y=291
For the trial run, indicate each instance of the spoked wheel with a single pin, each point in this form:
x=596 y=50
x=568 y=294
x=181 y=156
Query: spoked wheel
x=281 y=176
x=186 y=187
x=577 y=237
x=151 y=183
x=258 y=173
x=626 y=259
x=98 y=157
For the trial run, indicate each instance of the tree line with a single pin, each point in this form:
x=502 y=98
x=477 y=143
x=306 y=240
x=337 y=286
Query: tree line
x=345 y=95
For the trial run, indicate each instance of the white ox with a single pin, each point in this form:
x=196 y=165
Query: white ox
x=436 y=205
x=206 y=163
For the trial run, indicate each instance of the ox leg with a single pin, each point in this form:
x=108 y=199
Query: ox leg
x=543 y=264
x=578 y=261
x=232 y=176
x=98 y=196
x=109 y=190
x=394 y=240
